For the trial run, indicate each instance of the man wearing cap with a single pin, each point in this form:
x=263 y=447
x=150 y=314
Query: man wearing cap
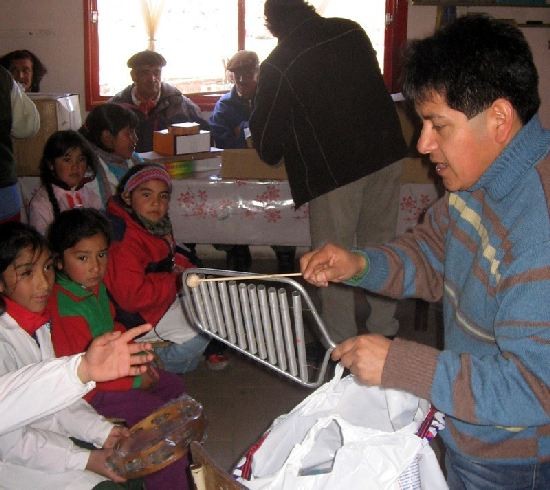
x=321 y=103
x=228 y=123
x=232 y=111
x=157 y=104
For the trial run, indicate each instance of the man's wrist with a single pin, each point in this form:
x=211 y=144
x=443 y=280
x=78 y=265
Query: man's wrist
x=363 y=270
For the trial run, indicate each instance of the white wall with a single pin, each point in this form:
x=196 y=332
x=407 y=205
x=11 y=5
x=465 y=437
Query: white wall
x=53 y=29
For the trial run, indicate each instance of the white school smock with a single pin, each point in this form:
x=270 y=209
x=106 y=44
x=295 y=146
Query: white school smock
x=58 y=377
x=40 y=454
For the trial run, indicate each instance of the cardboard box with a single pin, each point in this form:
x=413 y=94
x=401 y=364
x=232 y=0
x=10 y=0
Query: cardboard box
x=57 y=112
x=153 y=156
x=166 y=143
x=184 y=129
x=246 y=164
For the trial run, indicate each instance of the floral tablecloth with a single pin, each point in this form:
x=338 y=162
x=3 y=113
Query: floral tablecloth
x=206 y=209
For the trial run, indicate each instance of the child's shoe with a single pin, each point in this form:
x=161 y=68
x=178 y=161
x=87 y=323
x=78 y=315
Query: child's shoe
x=217 y=362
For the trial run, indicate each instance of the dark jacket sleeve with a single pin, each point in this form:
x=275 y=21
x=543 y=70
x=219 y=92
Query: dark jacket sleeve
x=272 y=112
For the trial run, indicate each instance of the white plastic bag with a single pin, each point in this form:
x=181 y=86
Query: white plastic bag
x=345 y=435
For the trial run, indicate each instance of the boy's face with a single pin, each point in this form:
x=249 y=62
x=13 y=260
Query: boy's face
x=28 y=281
x=70 y=168
x=150 y=200
x=460 y=148
x=85 y=263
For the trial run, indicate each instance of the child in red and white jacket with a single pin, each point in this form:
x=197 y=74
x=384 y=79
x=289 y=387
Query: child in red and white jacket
x=144 y=268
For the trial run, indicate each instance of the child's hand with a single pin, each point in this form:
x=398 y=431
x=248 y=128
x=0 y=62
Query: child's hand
x=149 y=378
x=112 y=356
x=178 y=269
x=97 y=462
x=117 y=433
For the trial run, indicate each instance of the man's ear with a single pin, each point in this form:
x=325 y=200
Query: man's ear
x=107 y=139
x=133 y=75
x=505 y=120
x=126 y=198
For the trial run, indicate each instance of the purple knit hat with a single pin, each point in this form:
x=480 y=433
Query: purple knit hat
x=145 y=173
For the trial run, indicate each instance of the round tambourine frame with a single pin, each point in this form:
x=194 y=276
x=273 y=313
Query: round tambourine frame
x=160 y=439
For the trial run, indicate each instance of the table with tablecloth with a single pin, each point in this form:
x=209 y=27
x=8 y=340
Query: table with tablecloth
x=205 y=208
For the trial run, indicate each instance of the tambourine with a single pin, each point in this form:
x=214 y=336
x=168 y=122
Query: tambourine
x=160 y=439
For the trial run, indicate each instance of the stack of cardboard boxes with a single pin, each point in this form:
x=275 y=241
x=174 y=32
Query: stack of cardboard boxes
x=183 y=148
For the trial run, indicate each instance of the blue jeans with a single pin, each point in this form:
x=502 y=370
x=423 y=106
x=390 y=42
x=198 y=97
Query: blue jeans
x=465 y=474
x=183 y=358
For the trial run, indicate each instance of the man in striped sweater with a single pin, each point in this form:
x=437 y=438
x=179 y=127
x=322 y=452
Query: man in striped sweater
x=483 y=249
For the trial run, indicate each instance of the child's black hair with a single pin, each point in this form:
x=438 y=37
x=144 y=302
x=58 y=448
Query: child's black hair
x=57 y=145
x=75 y=224
x=108 y=117
x=15 y=237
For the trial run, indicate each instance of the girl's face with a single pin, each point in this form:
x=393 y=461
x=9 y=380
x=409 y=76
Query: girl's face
x=150 y=200
x=70 y=168
x=29 y=279
x=85 y=263
x=123 y=144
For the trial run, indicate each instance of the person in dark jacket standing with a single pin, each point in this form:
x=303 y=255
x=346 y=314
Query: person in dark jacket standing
x=156 y=103
x=321 y=103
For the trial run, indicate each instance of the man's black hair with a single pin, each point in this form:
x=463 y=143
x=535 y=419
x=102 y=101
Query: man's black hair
x=472 y=62
x=281 y=16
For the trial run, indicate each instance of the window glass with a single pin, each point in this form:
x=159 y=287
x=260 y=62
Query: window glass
x=198 y=36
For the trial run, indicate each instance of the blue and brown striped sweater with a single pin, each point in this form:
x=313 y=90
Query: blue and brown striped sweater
x=485 y=253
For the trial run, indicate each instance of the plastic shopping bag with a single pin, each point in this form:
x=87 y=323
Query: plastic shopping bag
x=345 y=435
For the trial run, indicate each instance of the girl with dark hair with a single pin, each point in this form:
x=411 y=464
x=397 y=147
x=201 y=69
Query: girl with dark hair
x=111 y=131
x=25 y=68
x=81 y=310
x=67 y=165
x=41 y=454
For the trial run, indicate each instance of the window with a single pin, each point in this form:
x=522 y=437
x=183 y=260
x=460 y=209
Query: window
x=198 y=36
